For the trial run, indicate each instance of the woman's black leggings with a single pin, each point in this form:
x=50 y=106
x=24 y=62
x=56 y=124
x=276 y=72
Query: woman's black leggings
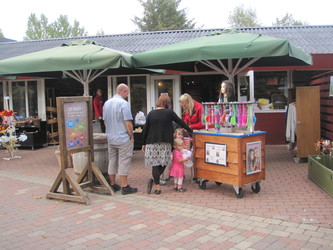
x=157 y=171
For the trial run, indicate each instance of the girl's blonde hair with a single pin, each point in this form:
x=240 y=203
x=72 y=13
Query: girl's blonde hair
x=176 y=132
x=186 y=98
x=177 y=142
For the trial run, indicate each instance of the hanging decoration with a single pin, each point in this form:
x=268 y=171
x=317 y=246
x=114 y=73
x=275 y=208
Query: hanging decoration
x=8 y=138
x=227 y=116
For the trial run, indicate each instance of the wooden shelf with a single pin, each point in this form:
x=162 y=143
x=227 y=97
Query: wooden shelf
x=52 y=121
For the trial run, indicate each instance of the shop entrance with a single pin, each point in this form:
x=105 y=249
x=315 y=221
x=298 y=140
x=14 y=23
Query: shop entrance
x=245 y=86
x=166 y=85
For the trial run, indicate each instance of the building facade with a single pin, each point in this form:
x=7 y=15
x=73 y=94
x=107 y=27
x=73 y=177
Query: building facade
x=29 y=96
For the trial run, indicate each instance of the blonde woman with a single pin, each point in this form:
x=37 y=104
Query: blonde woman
x=192 y=112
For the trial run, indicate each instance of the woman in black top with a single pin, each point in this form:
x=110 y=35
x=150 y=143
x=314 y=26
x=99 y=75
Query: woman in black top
x=158 y=139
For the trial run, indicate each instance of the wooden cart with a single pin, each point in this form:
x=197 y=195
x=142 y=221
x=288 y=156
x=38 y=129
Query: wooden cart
x=224 y=158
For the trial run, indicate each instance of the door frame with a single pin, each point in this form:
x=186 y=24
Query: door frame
x=249 y=74
x=152 y=96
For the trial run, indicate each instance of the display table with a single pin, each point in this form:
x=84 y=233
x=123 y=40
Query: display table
x=36 y=135
x=138 y=136
x=232 y=158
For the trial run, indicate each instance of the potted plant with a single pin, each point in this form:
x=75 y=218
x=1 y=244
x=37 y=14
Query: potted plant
x=320 y=167
x=8 y=138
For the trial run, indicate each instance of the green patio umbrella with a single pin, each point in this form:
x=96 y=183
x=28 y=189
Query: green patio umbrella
x=82 y=60
x=228 y=53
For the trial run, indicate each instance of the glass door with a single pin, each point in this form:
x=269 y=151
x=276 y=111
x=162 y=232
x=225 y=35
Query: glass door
x=166 y=85
x=245 y=86
x=163 y=86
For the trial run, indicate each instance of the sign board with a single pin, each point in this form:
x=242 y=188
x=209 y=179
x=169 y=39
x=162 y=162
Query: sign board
x=74 y=117
x=76 y=124
x=253 y=157
x=216 y=153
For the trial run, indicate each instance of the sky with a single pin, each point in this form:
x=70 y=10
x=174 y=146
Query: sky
x=114 y=16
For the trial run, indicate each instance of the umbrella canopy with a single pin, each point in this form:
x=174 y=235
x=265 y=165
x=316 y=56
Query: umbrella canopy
x=228 y=53
x=83 y=60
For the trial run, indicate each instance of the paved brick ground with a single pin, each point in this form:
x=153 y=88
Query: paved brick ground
x=289 y=212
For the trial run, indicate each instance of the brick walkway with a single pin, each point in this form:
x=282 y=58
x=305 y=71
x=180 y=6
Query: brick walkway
x=289 y=212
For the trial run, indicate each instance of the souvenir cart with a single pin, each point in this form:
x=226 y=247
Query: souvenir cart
x=228 y=150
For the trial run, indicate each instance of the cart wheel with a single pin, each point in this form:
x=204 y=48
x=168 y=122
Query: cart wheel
x=202 y=185
x=256 y=187
x=218 y=183
x=240 y=193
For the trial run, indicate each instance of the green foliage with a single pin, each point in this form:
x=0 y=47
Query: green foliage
x=1 y=34
x=162 y=15
x=41 y=29
x=241 y=17
x=288 y=20
x=100 y=32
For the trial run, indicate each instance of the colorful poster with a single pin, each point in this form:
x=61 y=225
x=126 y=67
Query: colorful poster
x=253 y=157
x=331 y=86
x=76 y=124
x=216 y=153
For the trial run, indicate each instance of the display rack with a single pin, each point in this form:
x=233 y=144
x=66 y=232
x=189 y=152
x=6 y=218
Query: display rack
x=227 y=116
x=53 y=134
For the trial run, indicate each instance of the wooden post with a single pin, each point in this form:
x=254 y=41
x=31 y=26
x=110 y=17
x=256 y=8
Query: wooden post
x=76 y=135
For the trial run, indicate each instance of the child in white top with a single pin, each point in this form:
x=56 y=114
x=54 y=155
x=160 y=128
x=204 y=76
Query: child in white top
x=186 y=152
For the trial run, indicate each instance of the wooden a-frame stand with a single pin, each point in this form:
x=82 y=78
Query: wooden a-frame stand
x=75 y=135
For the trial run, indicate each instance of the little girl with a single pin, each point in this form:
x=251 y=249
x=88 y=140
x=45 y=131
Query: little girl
x=177 y=169
x=186 y=152
x=178 y=134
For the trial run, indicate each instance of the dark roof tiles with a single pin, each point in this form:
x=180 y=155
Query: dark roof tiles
x=312 y=39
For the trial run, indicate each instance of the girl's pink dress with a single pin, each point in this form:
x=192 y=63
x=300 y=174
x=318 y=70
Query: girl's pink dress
x=177 y=169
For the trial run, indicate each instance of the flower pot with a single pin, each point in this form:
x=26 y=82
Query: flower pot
x=320 y=171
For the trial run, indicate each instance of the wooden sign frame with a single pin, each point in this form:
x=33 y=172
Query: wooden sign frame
x=76 y=135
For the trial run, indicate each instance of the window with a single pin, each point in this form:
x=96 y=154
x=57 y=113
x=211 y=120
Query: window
x=163 y=86
x=24 y=98
x=138 y=95
x=18 y=96
x=32 y=99
x=273 y=86
x=121 y=79
x=138 y=92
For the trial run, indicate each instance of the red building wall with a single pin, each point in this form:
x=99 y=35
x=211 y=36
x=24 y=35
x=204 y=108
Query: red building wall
x=326 y=104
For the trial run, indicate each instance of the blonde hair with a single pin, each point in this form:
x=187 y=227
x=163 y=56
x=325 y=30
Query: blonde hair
x=176 y=132
x=186 y=98
x=177 y=142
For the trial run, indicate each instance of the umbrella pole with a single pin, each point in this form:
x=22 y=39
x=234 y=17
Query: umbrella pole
x=84 y=79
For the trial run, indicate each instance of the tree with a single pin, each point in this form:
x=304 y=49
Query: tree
x=1 y=34
x=41 y=29
x=162 y=15
x=100 y=32
x=288 y=20
x=241 y=17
